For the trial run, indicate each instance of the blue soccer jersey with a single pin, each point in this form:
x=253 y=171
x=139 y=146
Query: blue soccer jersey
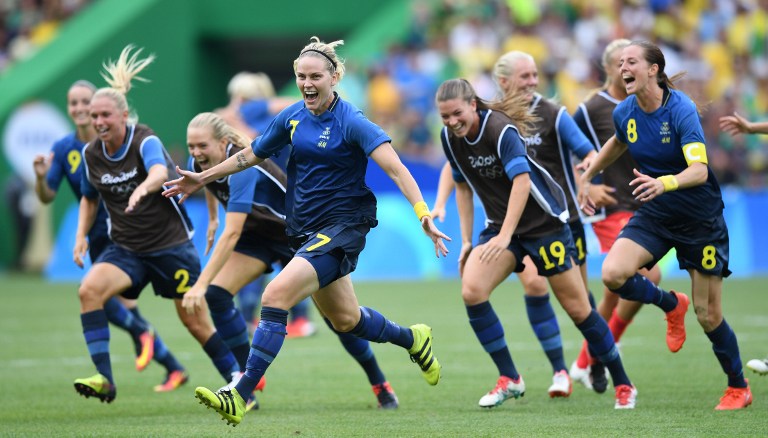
x=326 y=171
x=657 y=141
x=68 y=163
x=258 y=191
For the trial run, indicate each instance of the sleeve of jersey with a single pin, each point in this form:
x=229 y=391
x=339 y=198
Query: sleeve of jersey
x=86 y=188
x=191 y=164
x=573 y=137
x=620 y=134
x=56 y=172
x=512 y=153
x=691 y=134
x=253 y=111
x=457 y=176
x=364 y=133
x=152 y=152
x=278 y=135
x=242 y=185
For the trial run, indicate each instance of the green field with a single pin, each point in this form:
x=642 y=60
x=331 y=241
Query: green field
x=315 y=389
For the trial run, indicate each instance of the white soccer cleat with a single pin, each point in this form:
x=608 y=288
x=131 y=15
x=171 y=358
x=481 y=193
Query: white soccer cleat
x=760 y=366
x=505 y=389
x=561 y=385
x=580 y=375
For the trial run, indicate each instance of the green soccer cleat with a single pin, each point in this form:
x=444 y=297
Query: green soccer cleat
x=96 y=386
x=227 y=402
x=421 y=353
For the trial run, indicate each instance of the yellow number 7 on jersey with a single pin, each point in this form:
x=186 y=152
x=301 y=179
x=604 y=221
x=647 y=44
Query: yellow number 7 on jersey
x=323 y=240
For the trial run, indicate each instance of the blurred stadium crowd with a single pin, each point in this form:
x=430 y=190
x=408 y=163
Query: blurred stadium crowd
x=721 y=44
x=26 y=25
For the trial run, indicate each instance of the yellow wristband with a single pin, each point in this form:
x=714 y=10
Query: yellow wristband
x=669 y=181
x=421 y=210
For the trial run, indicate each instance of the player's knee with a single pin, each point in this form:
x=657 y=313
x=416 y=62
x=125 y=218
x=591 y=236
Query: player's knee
x=614 y=275
x=707 y=320
x=344 y=323
x=198 y=325
x=535 y=286
x=473 y=294
x=89 y=293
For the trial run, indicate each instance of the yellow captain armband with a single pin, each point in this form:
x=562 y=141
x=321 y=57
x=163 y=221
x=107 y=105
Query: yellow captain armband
x=695 y=153
x=670 y=182
x=421 y=210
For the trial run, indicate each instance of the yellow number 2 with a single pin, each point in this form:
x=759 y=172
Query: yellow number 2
x=183 y=276
x=708 y=260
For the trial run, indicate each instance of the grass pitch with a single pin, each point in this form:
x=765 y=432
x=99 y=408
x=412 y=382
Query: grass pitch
x=315 y=389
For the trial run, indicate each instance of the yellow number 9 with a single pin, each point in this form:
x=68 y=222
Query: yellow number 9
x=183 y=276
x=74 y=159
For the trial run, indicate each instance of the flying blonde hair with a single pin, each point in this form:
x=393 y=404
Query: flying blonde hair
x=119 y=75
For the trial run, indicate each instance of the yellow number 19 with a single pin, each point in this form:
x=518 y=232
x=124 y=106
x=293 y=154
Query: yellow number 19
x=557 y=249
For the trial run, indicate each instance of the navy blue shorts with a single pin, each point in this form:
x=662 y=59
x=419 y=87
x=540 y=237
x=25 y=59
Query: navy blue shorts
x=551 y=254
x=98 y=241
x=701 y=245
x=172 y=271
x=333 y=250
x=579 y=240
x=268 y=251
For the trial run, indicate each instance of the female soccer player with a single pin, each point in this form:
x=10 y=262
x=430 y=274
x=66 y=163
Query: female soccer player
x=65 y=161
x=252 y=106
x=681 y=208
x=252 y=240
x=613 y=196
x=329 y=211
x=552 y=138
x=125 y=166
x=488 y=157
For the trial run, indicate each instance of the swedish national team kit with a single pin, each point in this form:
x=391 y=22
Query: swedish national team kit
x=665 y=142
x=488 y=164
x=152 y=243
x=326 y=172
x=259 y=192
x=68 y=163
x=554 y=137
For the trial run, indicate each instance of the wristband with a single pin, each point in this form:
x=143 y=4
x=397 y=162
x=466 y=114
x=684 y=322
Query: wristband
x=669 y=181
x=421 y=210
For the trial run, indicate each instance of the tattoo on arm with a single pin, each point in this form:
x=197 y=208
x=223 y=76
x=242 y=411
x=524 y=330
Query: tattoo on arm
x=242 y=162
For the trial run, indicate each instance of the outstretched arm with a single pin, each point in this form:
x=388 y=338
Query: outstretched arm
x=387 y=158
x=736 y=124
x=190 y=182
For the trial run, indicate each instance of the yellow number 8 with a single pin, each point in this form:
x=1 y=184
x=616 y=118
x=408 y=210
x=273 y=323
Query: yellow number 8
x=708 y=261
x=632 y=131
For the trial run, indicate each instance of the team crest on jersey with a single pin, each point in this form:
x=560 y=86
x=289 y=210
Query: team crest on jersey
x=665 y=132
x=223 y=195
x=324 y=137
